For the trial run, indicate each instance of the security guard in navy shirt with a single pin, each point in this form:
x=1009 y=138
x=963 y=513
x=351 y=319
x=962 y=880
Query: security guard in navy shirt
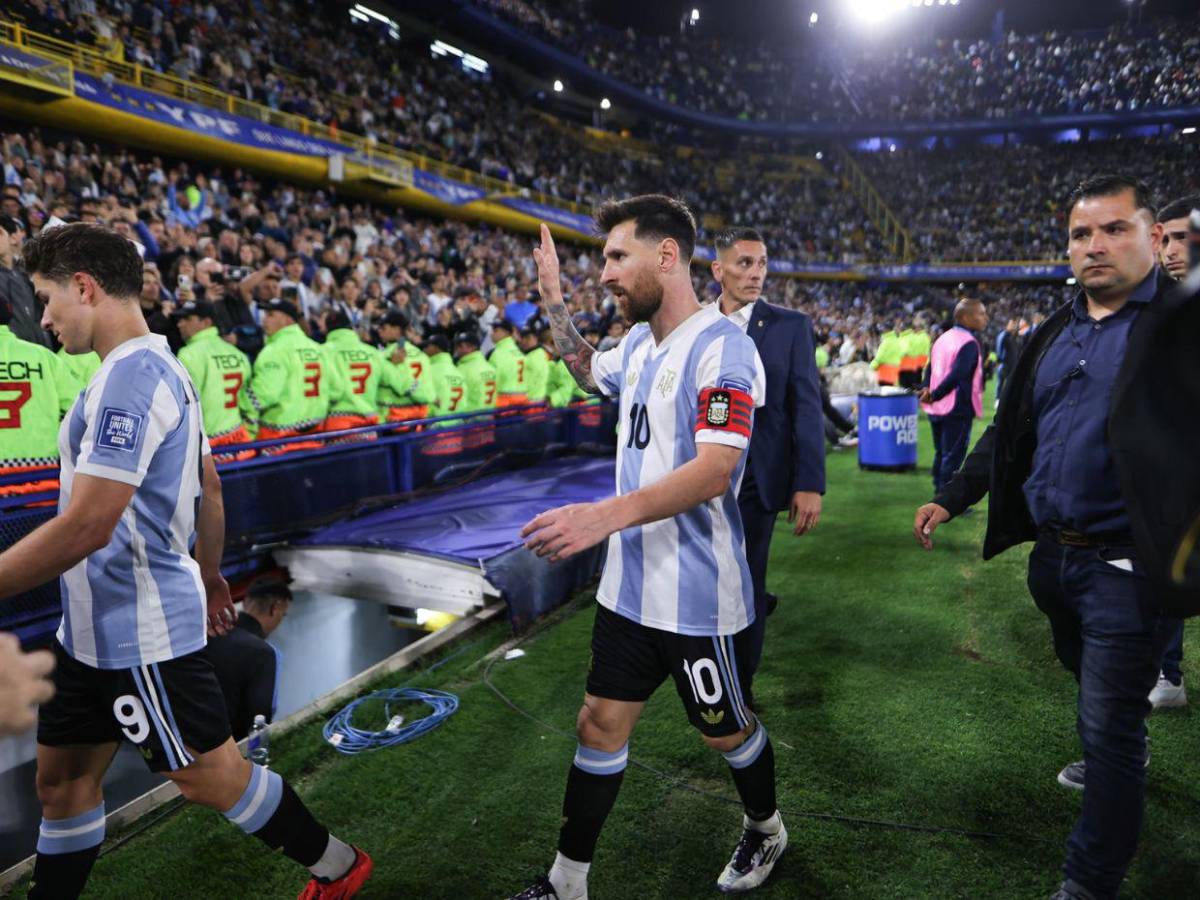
x=1064 y=464
x=246 y=665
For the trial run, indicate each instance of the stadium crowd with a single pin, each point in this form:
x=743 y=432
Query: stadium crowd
x=358 y=80
x=1008 y=203
x=228 y=255
x=1035 y=74
x=967 y=204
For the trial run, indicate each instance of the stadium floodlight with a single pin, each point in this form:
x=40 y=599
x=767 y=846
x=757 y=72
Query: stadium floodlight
x=558 y=86
x=605 y=104
x=813 y=19
x=695 y=15
x=873 y=12
x=1191 y=129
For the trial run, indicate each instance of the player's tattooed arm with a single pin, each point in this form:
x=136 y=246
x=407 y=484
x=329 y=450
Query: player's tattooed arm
x=575 y=351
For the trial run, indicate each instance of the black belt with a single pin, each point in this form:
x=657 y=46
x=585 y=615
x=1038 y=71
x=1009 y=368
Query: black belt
x=1068 y=537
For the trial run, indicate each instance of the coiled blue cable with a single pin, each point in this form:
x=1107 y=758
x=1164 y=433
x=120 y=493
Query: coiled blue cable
x=345 y=738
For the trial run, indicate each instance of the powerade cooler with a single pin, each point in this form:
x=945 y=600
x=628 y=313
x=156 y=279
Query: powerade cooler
x=887 y=431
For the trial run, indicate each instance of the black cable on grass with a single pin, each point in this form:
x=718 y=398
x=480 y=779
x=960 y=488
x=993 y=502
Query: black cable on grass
x=676 y=781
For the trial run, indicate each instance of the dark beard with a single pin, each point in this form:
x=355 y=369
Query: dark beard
x=643 y=301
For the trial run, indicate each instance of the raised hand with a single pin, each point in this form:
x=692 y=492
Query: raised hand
x=549 y=279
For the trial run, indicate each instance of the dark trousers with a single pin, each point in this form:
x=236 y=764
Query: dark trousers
x=1172 y=663
x=758 y=524
x=1108 y=631
x=951 y=439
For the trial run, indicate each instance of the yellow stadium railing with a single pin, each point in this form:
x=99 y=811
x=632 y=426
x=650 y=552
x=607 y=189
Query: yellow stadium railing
x=97 y=62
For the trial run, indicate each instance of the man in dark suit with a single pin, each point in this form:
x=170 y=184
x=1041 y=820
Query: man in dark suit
x=1088 y=425
x=247 y=666
x=786 y=466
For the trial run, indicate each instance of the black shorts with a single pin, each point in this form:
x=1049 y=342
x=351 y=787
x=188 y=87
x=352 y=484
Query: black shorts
x=630 y=661
x=171 y=711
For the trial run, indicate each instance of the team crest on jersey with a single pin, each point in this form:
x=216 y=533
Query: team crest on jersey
x=718 y=408
x=713 y=716
x=119 y=430
x=666 y=382
x=631 y=379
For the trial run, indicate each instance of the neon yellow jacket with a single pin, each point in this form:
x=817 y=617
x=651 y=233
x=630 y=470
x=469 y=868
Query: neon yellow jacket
x=35 y=391
x=221 y=373
x=480 y=380
x=294 y=382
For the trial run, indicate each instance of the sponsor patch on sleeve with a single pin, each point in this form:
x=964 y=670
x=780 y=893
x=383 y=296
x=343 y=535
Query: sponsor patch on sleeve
x=725 y=409
x=119 y=430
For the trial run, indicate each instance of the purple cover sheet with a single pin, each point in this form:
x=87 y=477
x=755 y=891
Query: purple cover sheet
x=480 y=520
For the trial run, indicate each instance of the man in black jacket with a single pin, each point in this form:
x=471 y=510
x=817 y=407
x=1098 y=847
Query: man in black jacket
x=246 y=665
x=1077 y=459
x=785 y=468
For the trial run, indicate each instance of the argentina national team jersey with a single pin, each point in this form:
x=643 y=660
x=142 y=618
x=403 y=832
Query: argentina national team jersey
x=686 y=574
x=140 y=600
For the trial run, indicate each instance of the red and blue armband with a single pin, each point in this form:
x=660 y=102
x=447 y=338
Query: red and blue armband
x=725 y=409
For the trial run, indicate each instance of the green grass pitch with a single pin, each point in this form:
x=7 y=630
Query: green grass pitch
x=898 y=686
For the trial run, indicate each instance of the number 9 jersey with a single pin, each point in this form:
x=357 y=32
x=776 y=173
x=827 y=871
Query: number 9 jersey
x=686 y=574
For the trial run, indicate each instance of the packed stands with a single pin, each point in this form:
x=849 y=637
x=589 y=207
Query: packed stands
x=1118 y=70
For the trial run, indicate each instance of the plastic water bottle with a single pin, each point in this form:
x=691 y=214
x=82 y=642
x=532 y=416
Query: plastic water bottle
x=260 y=742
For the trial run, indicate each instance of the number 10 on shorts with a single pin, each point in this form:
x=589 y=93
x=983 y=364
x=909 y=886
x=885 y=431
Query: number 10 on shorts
x=700 y=675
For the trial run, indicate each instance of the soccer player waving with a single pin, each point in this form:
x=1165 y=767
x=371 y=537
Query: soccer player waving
x=676 y=596
x=137 y=542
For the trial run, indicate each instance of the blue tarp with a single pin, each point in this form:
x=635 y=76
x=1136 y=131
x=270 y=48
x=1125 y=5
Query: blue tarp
x=478 y=521
x=480 y=524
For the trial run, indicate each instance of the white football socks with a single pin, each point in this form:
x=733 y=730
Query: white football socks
x=335 y=862
x=569 y=878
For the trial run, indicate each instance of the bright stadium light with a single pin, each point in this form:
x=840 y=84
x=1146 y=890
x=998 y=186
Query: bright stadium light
x=605 y=104
x=1191 y=129
x=813 y=19
x=558 y=86
x=873 y=12
x=695 y=16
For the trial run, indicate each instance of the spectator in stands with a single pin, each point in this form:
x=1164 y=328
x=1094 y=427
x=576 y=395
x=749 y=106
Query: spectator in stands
x=520 y=309
x=157 y=310
x=247 y=666
x=15 y=288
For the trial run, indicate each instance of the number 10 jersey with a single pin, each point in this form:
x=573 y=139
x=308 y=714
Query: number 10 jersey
x=686 y=574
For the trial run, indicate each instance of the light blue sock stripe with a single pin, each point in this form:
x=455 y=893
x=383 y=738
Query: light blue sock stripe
x=259 y=802
x=600 y=762
x=166 y=702
x=148 y=705
x=58 y=836
x=257 y=774
x=750 y=750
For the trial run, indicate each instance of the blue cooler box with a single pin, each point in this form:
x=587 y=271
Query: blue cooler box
x=887 y=431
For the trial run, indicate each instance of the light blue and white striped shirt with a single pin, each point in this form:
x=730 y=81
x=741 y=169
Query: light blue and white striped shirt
x=686 y=574
x=140 y=600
